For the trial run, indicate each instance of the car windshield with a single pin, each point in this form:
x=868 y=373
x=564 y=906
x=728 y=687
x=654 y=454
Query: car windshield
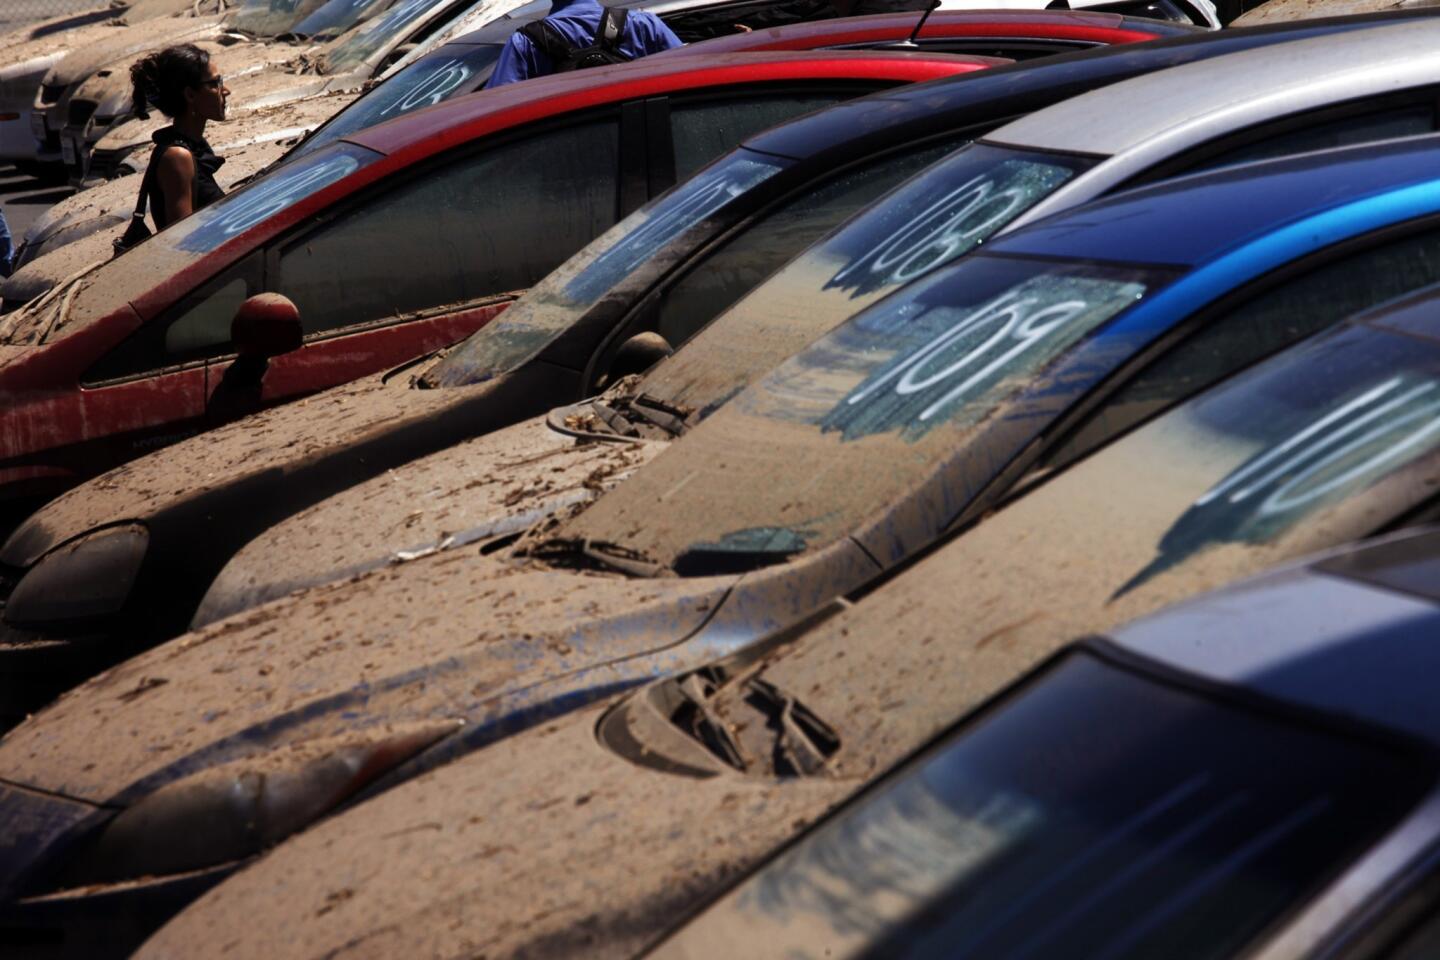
x=554 y=303
x=270 y=18
x=1251 y=461
x=337 y=16
x=375 y=35
x=937 y=216
x=933 y=218
x=1094 y=813
x=452 y=70
x=237 y=212
x=864 y=413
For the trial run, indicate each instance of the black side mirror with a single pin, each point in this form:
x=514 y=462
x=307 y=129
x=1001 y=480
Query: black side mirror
x=638 y=354
x=266 y=325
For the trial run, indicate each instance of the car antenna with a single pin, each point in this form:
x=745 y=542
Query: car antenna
x=910 y=40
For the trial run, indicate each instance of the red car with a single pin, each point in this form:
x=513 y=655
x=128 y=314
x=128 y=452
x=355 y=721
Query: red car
x=1015 y=34
x=396 y=240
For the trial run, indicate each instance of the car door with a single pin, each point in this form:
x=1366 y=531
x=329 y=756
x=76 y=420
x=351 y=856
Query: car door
x=425 y=261
x=150 y=389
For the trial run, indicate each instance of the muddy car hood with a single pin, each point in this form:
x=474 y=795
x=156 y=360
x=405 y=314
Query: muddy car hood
x=277 y=439
x=573 y=849
x=492 y=486
x=119 y=44
x=466 y=641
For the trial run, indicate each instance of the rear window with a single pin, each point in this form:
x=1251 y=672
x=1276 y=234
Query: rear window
x=1096 y=813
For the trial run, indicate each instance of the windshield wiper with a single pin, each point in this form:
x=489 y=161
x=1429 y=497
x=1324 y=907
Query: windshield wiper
x=584 y=552
x=623 y=415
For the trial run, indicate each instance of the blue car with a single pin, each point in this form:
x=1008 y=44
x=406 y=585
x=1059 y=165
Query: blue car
x=848 y=458
x=1252 y=773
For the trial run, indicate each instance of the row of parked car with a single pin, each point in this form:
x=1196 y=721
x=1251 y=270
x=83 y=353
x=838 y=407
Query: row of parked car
x=757 y=500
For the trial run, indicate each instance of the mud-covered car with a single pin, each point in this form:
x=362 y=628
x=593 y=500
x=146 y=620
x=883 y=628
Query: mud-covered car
x=130 y=355
x=461 y=66
x=361 y=685
x=54 y=105
x=27 y=55
x=465 y=63
x=334 y=55
x=231 y=489
x=255 y=37
x=1215 y=784
x=594 y=832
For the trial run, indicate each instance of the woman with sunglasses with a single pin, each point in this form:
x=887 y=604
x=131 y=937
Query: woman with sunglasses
x=182 y=83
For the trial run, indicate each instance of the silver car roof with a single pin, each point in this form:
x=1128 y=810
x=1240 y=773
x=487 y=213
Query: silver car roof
x=1139 y=122
x=1318 y=635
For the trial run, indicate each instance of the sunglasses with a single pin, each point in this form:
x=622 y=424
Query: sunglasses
x=215 y=83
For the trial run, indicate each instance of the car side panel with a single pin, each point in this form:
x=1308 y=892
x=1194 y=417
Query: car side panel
x=346 y=355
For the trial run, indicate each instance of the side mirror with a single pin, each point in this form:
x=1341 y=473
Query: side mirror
x=266 y=325
x=638 y=354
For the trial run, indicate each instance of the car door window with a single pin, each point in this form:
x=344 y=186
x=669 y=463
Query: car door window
x=195 y=329
x=483 y=225
x=1407 y=121
x=704 y=129
x=1246 y=333
x=724 y=275
x=207 y=324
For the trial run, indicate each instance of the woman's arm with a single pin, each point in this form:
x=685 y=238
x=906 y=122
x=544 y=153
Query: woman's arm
x=176 y=177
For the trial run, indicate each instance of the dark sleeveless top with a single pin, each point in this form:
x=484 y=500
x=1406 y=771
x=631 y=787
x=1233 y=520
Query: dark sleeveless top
x=204 y=191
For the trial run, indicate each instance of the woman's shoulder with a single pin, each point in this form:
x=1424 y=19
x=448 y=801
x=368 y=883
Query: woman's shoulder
x=167 y=137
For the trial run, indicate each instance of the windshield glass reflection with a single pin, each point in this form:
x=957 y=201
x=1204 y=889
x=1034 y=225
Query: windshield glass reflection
x=269 y=18
x=237 y=212
x=354 y=50
x=868 y=410
x=553 y=304
x=1143 y=832
x=337 y=16
x=1302 y=433
x=424 y=83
